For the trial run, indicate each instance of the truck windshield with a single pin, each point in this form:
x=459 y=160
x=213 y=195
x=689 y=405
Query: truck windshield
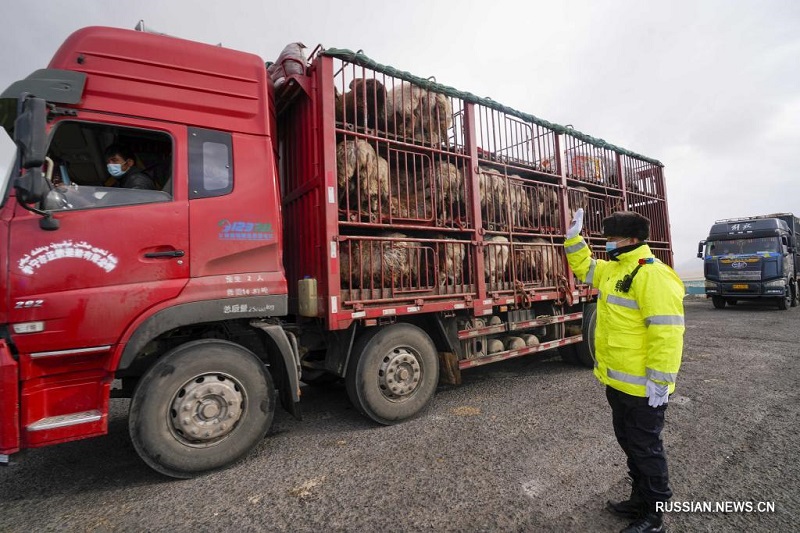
x=8 y=158
x=744 y=246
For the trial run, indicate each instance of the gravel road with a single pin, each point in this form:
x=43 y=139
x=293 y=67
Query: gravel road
x=523 y=445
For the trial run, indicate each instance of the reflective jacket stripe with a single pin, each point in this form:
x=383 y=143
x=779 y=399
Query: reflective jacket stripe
x=661 y=376
x=624 y=302
x=575 y=247
x=664 y=320
x=590 y=275
x=627 y=378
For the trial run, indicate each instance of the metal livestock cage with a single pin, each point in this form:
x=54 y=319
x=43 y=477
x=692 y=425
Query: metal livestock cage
x=404 y=196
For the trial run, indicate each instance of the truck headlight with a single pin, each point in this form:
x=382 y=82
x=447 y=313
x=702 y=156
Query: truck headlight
x=775 y=284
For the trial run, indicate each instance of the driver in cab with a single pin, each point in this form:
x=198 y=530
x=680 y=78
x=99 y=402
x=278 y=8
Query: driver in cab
x=120 y=162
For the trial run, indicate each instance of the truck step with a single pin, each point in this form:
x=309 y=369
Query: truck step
x=61 y=421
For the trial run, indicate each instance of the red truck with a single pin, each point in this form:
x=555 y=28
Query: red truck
x=349 y=220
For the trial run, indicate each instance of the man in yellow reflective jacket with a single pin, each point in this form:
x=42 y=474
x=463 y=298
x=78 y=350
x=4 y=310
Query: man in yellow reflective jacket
x=638 y=347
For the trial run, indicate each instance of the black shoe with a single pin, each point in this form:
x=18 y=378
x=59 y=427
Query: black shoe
x=649 y=523
x=633 y=508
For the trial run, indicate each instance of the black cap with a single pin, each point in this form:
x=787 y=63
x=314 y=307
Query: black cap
x=627 y=224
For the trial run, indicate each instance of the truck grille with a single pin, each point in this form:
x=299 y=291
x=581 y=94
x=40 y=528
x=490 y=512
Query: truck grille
x=737 y=275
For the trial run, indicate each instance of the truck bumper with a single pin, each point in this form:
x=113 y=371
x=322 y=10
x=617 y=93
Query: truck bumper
x=9 y=401
x=748 y=290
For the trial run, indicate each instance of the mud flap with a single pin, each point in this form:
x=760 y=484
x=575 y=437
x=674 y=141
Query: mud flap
x=9 y=401
x=288 y=384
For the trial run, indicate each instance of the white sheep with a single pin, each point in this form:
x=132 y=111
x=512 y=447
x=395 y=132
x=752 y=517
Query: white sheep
x=495 y=259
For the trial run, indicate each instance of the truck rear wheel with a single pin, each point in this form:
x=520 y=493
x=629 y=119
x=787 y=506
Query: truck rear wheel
x=203 y=406
x=718 y=301
x=393 y=373
x=583 y=352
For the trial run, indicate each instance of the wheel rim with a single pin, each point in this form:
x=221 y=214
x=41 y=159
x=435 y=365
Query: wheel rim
x=400 y=374
x=206 y=409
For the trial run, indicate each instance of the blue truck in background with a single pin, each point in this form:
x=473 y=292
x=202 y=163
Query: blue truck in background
x=752 y=258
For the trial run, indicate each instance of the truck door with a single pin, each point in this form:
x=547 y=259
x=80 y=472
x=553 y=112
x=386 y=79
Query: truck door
x=118 y=251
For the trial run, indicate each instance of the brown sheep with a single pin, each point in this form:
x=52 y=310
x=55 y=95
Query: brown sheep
x=363 y=105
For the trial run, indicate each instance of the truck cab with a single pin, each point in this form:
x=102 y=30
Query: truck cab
x=103 y=280
x=751 y=259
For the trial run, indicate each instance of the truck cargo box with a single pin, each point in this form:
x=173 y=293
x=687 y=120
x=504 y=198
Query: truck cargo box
x=407 y=196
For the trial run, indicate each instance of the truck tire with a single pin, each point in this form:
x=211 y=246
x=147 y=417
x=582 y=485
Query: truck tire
x=718 y=301
x=793 y=288
x=583 y=352
x=393 y=373
x=203 y=406
x=785 y=302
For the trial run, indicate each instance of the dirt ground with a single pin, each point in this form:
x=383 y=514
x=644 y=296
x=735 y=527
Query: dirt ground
x=523 y=445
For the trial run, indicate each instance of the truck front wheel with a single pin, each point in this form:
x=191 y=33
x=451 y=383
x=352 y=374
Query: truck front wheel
x=718 y=301
x=393 y=373
x=203 y=406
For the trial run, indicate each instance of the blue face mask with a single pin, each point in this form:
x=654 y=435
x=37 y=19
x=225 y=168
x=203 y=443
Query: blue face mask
x=115 y=169
x=611 y=246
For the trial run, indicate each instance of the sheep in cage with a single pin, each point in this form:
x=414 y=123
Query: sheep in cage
x=451 y=255
x=578 y=199
x=434 y=114
x=533 y=261
x=362 y=173
x=494 y=196
x=546 y=207
x=374 y=264
x=495 y=259
x=519 y=200
x=417 y=114
x=444 y=180
x=363 y=104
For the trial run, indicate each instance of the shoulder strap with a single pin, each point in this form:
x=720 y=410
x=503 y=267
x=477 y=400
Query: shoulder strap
x=624 y=285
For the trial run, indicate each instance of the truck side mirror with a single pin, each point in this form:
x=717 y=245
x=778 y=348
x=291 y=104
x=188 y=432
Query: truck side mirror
x=31 y=138
x=700 y=247
x=30 y=131
x=31 y=187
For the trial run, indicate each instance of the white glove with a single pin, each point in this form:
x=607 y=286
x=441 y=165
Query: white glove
x=657 y=394
x=577 y=224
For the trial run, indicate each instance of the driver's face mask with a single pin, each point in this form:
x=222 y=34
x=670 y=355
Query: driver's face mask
x=115 y=169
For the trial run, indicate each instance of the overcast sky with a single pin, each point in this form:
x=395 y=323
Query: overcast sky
x=709 y=88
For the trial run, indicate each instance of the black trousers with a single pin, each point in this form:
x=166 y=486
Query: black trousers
x=638 y=429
